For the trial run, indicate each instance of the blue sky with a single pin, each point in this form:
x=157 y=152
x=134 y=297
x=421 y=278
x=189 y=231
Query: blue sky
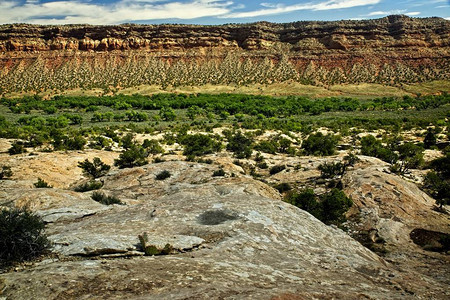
x=210 y=11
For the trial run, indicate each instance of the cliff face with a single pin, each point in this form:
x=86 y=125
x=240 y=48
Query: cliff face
x=388 y=50
x=393 y=31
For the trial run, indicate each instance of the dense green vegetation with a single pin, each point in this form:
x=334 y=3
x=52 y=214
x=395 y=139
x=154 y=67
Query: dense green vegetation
x=96 y=122
x=189 y=122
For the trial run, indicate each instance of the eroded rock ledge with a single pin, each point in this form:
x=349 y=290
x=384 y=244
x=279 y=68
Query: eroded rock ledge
x=232 y=238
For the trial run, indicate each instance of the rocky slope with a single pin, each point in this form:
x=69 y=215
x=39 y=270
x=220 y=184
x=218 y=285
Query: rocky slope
x=232 y=237
x=388 y=50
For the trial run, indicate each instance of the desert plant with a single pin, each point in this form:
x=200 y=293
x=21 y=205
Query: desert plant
x=103 y=199
x=41 y=184
x=334 y=204
x=151 y=249
x=219 y=172
x=167 y=114
x=88 y=186
x=94 y=169
x=17 y=147
x=329 y=207
x=152 y=146
x=437 y=182
x=199 y=144
x=319 y=144
x=163 y=175
x=306 y=200
x=135 y=156
x=21 y=236
x=331 y=170
x=276 y=169
x=283 y=187
x=430 y=139
x=5 y=172
x=240 y=145
x=409 y=156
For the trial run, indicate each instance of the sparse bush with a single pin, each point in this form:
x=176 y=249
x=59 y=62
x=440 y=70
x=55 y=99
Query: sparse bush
x=410 y=156
x=127 y=141
x=158 y=160
x=151 y=249
x=152 y=146
x=199 y=144
x=163 y=175
x=276 y=169
x=331 y=170
x=267 y=146
x=17 y=147
x=283 y=187
x=94 y=169
x=41 y=184
x=259 y=157
x=75 y=143
x=430 y=139
x=306 y=200
x=22 y=236
x=334 y=205
x=135 y=156
x=5 y=172
x=329 y=207
x=219 y=172
x=372 y=147
x=167 y=114
x=103 y=199
x=88 y=186
x=240 y=145
x=437 y=182
x=319 y=144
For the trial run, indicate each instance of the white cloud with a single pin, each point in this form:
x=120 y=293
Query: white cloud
x=393 y=12
x=79 y=11
x=271 y=9
x=413 y=13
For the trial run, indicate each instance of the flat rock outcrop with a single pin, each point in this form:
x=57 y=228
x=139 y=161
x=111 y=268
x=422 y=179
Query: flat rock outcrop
x=231 y=236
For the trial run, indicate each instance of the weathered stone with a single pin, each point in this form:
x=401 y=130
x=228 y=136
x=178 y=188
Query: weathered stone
x=230 y=238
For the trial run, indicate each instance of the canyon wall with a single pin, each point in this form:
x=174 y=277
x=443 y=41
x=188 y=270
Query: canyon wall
x=390 y=50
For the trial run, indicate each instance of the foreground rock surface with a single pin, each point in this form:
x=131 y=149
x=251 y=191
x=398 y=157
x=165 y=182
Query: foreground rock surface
x=232 y=239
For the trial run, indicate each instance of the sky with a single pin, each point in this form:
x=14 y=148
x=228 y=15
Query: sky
x=210 y=11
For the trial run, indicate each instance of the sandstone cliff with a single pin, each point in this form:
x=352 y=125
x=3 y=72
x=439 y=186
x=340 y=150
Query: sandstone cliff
x=389 y=50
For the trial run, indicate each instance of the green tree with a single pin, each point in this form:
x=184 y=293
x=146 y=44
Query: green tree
x=41 y=184
x=152 y=146
x=430 y=139
x=306 y=200
x=135 y=156
x=17 y=147
x=5 y=172
x=410 y=156
x=193 y=112
x=319 y=144
x=240 y=145
x=199 y=144
x=94 y=169
x=334 y=205
x=22 y=236
x=167 y=114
